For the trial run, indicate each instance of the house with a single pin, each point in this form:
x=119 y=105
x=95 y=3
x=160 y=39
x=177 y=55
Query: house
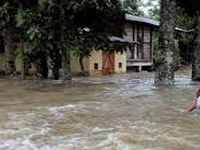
x=139 y=29
x=142 y=30
x=104 y=62
x=101 y=63
x=138 y=55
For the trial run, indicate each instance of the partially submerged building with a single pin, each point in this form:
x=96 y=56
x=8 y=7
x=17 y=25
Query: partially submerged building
x=139 y=29
x=138 y=55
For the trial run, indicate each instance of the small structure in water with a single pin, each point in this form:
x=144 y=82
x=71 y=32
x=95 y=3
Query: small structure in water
x=137 y=55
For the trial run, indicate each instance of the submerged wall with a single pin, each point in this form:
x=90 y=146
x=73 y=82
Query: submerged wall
x=120 y=62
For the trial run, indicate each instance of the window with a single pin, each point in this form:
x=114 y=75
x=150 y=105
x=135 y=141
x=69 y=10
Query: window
x=120 y=65
x=96 y=67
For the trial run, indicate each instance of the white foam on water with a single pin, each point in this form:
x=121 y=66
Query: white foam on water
x=58 y=109
x=6 y=132
x=45 y=128
x=99 y=130
x=19 y=132
x=18 y=144
x=170 y=134
x=55 y=111
x=28 y=145
x=117 y=142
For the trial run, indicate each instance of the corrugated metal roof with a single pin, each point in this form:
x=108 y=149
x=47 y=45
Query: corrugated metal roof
x=130 y=17
x=183 y=30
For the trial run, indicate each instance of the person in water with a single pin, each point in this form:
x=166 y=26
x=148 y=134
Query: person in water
x=196 y=102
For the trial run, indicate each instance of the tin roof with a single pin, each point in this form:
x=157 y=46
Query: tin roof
x=130 y=17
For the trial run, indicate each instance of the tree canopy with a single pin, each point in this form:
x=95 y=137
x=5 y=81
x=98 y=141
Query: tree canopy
x=52 y=28
x=191 y=7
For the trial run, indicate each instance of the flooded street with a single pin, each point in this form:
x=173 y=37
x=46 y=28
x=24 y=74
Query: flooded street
x=128 y=114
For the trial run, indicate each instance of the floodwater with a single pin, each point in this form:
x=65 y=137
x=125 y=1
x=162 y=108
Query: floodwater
x=127 y=114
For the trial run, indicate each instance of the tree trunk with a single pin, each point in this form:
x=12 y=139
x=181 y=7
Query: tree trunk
x=81 y=65
x=164 y=73
x=24 y=65
x=66 y=67
x=41 y=65
x=10 y=69
x=65 y=54
x=196 y=47
x=55 y=63
x=50 y=68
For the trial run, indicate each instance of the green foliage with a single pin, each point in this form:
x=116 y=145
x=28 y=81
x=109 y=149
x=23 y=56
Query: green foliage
x=191 y=7
x=24 y=18
x=33 y=32
x=155 y=12
x=6 y=14
x=184 y=21
x=52 y=27
x=95 y=22
x=3 y=12
x=132 y=7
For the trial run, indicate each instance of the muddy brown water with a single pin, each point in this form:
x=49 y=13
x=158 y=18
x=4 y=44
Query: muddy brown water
x=129 y=114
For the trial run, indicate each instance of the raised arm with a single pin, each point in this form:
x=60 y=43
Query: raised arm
x=193 y=105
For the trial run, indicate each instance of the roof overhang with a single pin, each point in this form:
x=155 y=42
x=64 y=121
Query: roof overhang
x=151 y=22
x=121 y=40
x=129 y=17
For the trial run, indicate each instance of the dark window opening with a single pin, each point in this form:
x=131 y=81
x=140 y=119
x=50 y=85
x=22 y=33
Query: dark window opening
x=120 y=65
x=133 y=33
x=2 y=48
x=96 y=66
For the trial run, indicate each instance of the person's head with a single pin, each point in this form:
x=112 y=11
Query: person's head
x=198 y=92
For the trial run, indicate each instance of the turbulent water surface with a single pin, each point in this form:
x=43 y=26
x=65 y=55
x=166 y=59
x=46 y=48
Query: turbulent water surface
x=129 y=114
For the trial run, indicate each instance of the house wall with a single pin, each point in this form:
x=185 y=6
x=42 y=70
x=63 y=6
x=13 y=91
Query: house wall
x=128 y=29
x=141 y=33
x=2 y=63
x=147 y=43
x=89 y=64
x=75 y=66
x=120 y=58
x=95 y=60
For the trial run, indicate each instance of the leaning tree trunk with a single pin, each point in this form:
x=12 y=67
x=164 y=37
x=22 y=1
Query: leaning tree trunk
x=41 y=65
x=9 y=51
x=65 y=55
x=196 y=47
x=66 y=67
x=164 y=73
x=24 y=64
x=82 y=65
